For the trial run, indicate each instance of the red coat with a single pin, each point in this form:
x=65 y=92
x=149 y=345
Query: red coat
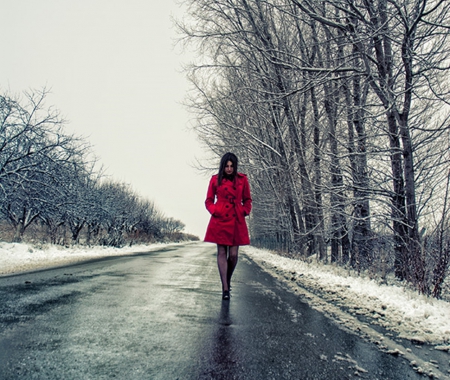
x=228 y=205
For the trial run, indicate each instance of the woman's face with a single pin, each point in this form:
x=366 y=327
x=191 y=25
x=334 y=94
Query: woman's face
x=229 y=168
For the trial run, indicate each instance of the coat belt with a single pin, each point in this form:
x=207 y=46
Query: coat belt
x=227 y=200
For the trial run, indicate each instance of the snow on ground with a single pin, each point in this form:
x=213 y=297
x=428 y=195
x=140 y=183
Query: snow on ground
x=405 y=312
x=19 y=257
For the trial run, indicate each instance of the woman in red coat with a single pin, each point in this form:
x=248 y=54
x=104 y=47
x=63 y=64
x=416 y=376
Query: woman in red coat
x=228 y=201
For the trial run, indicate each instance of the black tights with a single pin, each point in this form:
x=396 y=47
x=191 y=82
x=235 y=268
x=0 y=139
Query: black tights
x=227 y=258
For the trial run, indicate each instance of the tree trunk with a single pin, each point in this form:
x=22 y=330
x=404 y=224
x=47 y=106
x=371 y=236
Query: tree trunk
x=361 y=243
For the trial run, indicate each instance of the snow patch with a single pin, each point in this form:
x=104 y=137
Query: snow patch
x=411 y=315
x=19 y=257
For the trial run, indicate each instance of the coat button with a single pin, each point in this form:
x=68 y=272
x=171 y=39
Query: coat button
x=226 y=206
x=226 y=214
x=226 y=188
x=234 y=187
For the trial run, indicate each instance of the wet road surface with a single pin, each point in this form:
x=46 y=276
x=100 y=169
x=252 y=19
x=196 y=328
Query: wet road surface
x=160 y=316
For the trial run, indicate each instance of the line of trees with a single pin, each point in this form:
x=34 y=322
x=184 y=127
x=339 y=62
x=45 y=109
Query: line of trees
x=339 y=109
x=49 y=183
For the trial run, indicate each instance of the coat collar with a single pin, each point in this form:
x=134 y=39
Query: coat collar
x=240 y=175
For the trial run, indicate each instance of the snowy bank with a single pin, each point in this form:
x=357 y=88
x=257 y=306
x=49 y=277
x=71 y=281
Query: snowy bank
x=408 y=314
x=19 y=257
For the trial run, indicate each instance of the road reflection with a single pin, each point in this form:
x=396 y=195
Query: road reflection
x=224 y=317
x=225 y=352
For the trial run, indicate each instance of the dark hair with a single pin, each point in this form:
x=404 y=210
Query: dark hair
x=223 y=162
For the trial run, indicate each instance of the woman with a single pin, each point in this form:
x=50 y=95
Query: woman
x=228 y=201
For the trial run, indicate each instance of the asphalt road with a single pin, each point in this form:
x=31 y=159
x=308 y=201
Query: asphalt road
x=160 y=315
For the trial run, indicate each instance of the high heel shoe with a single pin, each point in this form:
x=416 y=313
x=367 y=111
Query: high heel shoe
x=226 y=295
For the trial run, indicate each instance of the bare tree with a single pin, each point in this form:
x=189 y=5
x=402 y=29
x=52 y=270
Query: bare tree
x=403 y=47
x=33 y=150
x=336 y=108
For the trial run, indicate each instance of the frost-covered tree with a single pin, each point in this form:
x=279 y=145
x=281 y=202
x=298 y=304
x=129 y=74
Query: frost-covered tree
x=338 y=110
x=33 y=150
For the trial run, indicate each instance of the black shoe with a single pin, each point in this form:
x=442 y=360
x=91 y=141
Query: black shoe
x=226 y=295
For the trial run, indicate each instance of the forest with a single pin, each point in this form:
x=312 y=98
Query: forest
x=53 y=189
x=339 y=113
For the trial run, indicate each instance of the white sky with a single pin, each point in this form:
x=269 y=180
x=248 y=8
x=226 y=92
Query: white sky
x=115 y=76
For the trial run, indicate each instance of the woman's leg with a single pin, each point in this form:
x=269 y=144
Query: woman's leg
x=232 y=262
x=222 y=263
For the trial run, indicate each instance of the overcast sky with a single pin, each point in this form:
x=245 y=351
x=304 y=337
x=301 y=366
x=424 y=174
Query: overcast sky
x=115 y=76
